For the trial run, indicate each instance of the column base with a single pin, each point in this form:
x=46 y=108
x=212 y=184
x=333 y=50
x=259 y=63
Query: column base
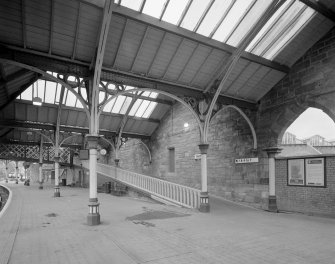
x=272 y=207
x=93 y=217
x=40 y=187
x=204 y=202
x=57 y=192
x=17 y=182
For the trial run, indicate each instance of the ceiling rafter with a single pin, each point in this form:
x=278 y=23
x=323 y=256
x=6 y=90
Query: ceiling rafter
x=202 y=64
x=119 y=45
x=247 y=80
x=204 y=14
x=51 y=24
x=23 y=19
x=142 y=6
x=224 y=15
x=238 y=75
x=320 y=8
x=164 y=9
x=187 y=62
x=156 y=53
x=187 y=7
x=246 y=12
x=139 y=47
x=172 y=58
x=77 y=32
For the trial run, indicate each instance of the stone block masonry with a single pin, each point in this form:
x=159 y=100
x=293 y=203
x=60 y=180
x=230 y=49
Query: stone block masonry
x=229 y=138
x=310 y=83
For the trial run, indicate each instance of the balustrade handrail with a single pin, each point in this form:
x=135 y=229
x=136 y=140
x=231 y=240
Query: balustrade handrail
x=158 y=188
x=146 y=176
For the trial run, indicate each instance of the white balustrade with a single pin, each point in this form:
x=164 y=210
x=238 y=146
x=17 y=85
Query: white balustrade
x=172 y=192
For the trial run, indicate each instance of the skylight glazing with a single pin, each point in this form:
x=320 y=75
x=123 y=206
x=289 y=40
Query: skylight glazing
x=50 y=92
x=228 y=21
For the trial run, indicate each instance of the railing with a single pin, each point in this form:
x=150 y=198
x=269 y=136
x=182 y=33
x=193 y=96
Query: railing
x=157 y=188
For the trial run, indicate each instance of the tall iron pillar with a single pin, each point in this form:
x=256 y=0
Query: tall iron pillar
x=16 y=172
x=204 y=198
x=93 y=217
x=56 y=189
x=272 y=206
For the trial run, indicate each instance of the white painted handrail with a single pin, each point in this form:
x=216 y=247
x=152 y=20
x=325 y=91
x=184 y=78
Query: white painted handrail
x=157 y=188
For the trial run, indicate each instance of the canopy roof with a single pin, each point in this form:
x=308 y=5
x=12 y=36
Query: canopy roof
x=176 y=46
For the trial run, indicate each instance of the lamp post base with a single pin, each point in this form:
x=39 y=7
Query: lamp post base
x=57 y=192
x=93 y=217
x=204 y=202
x=272 y=207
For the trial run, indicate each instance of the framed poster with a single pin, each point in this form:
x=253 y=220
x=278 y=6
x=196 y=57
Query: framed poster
x=315 y=172
x=296 y=172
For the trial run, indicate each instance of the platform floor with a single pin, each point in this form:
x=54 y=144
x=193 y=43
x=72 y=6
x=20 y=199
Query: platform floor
x=38 y=228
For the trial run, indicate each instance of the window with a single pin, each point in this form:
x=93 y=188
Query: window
x=171 y=160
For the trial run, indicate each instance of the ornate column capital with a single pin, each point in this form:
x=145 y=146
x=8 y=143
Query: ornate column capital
x=203 y=148
x=92 y=141
x=272 y=151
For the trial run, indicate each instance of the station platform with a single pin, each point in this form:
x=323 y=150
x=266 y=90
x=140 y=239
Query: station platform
x=38 y=228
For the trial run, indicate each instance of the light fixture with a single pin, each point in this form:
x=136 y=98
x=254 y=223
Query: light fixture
x=37 y=101
x=186 y=126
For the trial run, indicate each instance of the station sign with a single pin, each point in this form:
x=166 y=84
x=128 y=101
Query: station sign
x=246 y=160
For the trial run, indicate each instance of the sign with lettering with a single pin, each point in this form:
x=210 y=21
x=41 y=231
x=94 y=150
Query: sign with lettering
x=296 y=172
x=246 y=160
x=315 y=172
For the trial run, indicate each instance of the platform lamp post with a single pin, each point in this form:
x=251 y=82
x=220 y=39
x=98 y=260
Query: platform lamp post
x=40 y=166
x=6 y=163
x=16 y=172
x=26 y=166
x=56 y=188
x=272 y=207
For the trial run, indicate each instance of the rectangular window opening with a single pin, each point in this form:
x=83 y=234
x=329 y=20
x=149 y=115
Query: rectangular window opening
x=171 y=160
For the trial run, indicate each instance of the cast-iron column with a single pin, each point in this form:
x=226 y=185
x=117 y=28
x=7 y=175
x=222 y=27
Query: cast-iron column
x=57 y=189
x=93 y=217
x=272 y=207
x=204 y=198
x=16 y=172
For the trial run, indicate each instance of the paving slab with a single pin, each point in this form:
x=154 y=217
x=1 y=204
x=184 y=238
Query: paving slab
x=39 y=228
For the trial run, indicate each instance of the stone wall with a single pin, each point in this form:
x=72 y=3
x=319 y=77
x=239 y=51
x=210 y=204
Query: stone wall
x=310 y=83
x=312 y=200
x=229 y=138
